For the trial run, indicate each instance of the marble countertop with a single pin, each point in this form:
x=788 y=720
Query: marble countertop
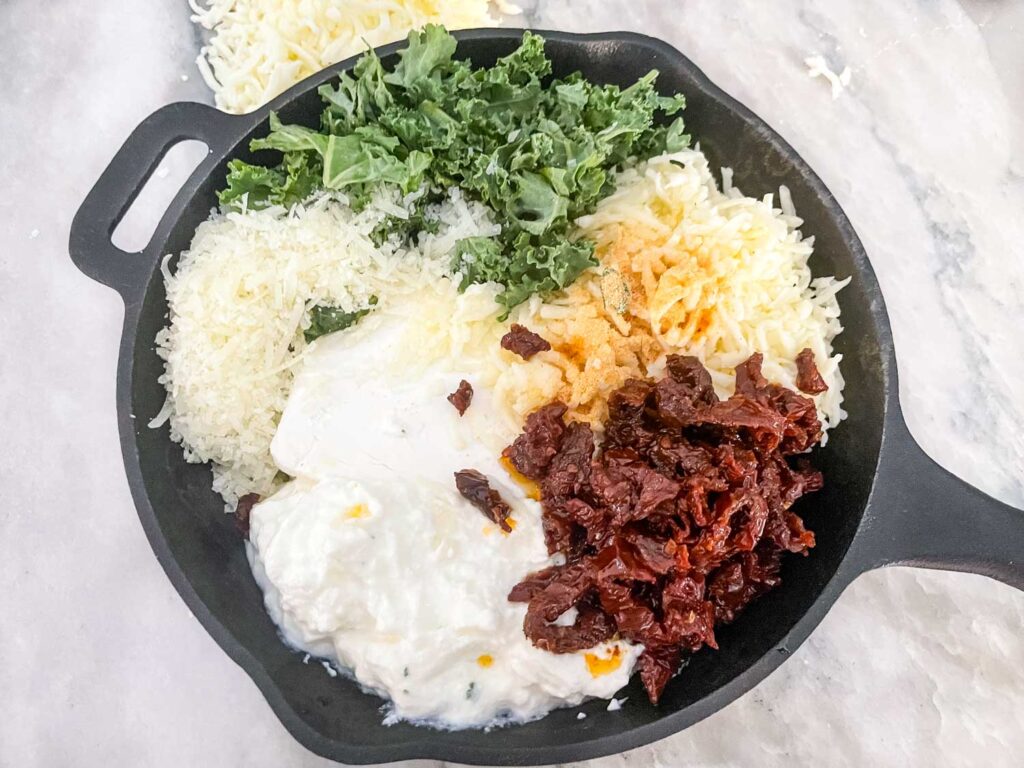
x=102 y=664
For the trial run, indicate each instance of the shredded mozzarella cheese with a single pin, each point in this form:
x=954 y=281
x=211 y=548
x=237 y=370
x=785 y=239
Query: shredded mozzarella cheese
x=259 y=48
x=713 y=274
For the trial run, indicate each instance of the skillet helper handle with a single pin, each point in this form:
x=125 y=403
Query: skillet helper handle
x=91 y=248
x=927 y=517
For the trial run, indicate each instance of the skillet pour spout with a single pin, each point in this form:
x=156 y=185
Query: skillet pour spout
x=885 y=502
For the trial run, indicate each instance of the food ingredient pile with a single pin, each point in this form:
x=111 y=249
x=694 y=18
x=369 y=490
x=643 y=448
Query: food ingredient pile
x=259 y=48
x=678 y=521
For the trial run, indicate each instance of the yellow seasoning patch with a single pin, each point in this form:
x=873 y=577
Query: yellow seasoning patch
x=485 y=660
x=603 y=665
x=511 y=524
x=530 y=488
x=357 y=511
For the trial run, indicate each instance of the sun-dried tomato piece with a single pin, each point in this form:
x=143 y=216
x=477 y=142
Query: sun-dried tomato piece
x=569 y=470
x=524 y=342
x=243 y=509
x=654 y=491
x=802 y=427
x=712 y=545
x=626 y=407
x=734 y=585
x=560 y=531
x=689 y=372
x=610 y=486
x=620 y=560
x=592 y=626
x=634 y=617
x=656 y=667
x=673 y=453
x=749 y=379
x=533 y=450
x=676 y=403
x=462 y=397
x=533 y=585
x=593 y=520
x=808 y=379
x=655 y=553
x=685 y=393
x=568 y=589
x=476 y=488
x=765 y=426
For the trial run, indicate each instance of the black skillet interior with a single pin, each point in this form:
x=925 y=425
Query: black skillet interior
x=204 y=557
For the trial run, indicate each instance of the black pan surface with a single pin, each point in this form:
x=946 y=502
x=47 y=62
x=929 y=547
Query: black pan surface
x=885 y=501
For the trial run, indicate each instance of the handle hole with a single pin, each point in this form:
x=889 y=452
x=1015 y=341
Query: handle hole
x=136 y=226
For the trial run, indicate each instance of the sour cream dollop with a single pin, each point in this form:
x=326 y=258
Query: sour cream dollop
x=370 y=556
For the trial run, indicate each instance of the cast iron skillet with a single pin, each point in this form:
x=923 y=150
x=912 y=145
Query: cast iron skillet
x=885 y=502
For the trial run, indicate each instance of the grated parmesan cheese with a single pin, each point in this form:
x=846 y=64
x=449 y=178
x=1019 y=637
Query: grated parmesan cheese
x=239 y=302
x=259 y=48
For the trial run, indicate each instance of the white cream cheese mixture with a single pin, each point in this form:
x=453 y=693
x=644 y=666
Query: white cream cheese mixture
x=371 y=557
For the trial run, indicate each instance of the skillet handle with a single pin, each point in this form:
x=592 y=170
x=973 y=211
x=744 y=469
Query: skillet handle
x=90 y=246
x=922 y=515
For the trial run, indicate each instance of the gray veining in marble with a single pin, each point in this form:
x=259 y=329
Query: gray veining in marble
x=100 y=661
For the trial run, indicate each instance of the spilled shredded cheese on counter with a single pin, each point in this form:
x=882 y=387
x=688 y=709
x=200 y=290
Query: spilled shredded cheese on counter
x=260 y=48
x=818 y=67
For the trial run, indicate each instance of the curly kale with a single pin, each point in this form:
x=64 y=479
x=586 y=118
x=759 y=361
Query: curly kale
x=538 y=151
